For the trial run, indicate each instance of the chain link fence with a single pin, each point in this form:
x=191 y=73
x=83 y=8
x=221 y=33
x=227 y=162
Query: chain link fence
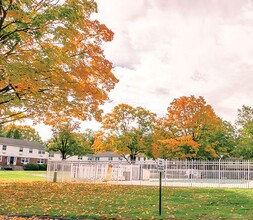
x=184 y=173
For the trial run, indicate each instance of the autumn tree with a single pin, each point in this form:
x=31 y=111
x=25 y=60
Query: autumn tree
x=102 y=142
x=24 y=132
x=126 y=130
x=191 y=116
x=176 y=148
x=68 y=141
x=52 y=65
x=166 y=145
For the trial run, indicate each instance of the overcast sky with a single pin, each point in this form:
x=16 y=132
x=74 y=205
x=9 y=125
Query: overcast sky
x=165 y=49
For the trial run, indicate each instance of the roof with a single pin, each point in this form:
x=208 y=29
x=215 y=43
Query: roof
x=105 y=154
x=21 y=143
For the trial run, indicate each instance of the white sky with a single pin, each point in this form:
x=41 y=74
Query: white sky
x=165 y=49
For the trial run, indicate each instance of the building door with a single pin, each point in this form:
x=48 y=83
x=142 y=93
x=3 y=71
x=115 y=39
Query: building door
x=11 y=161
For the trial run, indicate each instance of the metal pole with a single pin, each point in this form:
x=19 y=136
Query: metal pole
x=140 y=173
x=166 y=167
x=160 y=194
x=219 y=172
x=131 y=173
x=220 y=169
x=55 y=176
x=62 y=171
x=248 y=173
x=191 y=171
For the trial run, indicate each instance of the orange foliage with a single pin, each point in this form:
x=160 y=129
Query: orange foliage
x=181 y=133
x=179 y=148
x=192 y=116
x=102 y=143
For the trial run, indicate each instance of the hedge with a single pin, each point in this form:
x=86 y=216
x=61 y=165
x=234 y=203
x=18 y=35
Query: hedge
x=32 y=166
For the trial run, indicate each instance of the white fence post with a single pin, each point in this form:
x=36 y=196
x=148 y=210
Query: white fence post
x=48 y=171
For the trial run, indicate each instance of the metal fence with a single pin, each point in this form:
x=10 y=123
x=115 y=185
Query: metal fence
x=184 y=173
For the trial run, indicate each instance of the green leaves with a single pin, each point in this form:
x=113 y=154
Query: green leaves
x=244 y=147
x=67 y=141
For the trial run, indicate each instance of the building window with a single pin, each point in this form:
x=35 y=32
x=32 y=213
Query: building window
x=4 y=147
x=25 y=160
x=120 y=158
x=80 y=157
x=40 y=161
x=89 y=158
x=110 y=158
x=0 y=158
x=41 y=152
x=30 y=150
x=51 y=154
x=21 y=150
x=96 y=158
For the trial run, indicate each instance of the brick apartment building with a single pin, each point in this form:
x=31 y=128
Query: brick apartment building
x=15 y=152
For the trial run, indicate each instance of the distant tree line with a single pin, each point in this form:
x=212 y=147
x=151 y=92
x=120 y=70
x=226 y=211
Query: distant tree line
x=189 y=130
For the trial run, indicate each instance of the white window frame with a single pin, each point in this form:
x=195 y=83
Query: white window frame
x=51 y=154
x=110 y=158
x=80 y=157
x=30 y=150
x=97 y=158
x=39 y=161
x=21 y=149
x=41 y=152
x=4 y=147
x=89 y=158
x=25 y=160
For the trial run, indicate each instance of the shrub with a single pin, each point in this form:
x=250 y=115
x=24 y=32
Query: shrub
x=43 y=166
x=31 y=166
x=34 y=166
x=7 y=168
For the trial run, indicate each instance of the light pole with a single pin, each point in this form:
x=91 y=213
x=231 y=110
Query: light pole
x=220 y=169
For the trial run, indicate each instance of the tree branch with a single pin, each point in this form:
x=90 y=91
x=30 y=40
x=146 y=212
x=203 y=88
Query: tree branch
x=3 y=120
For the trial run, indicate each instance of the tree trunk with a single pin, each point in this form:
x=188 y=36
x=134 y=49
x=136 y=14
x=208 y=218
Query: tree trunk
x=133 y=158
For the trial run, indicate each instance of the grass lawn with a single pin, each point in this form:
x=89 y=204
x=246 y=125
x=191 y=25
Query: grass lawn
x=21 y=176
x=104 y=201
